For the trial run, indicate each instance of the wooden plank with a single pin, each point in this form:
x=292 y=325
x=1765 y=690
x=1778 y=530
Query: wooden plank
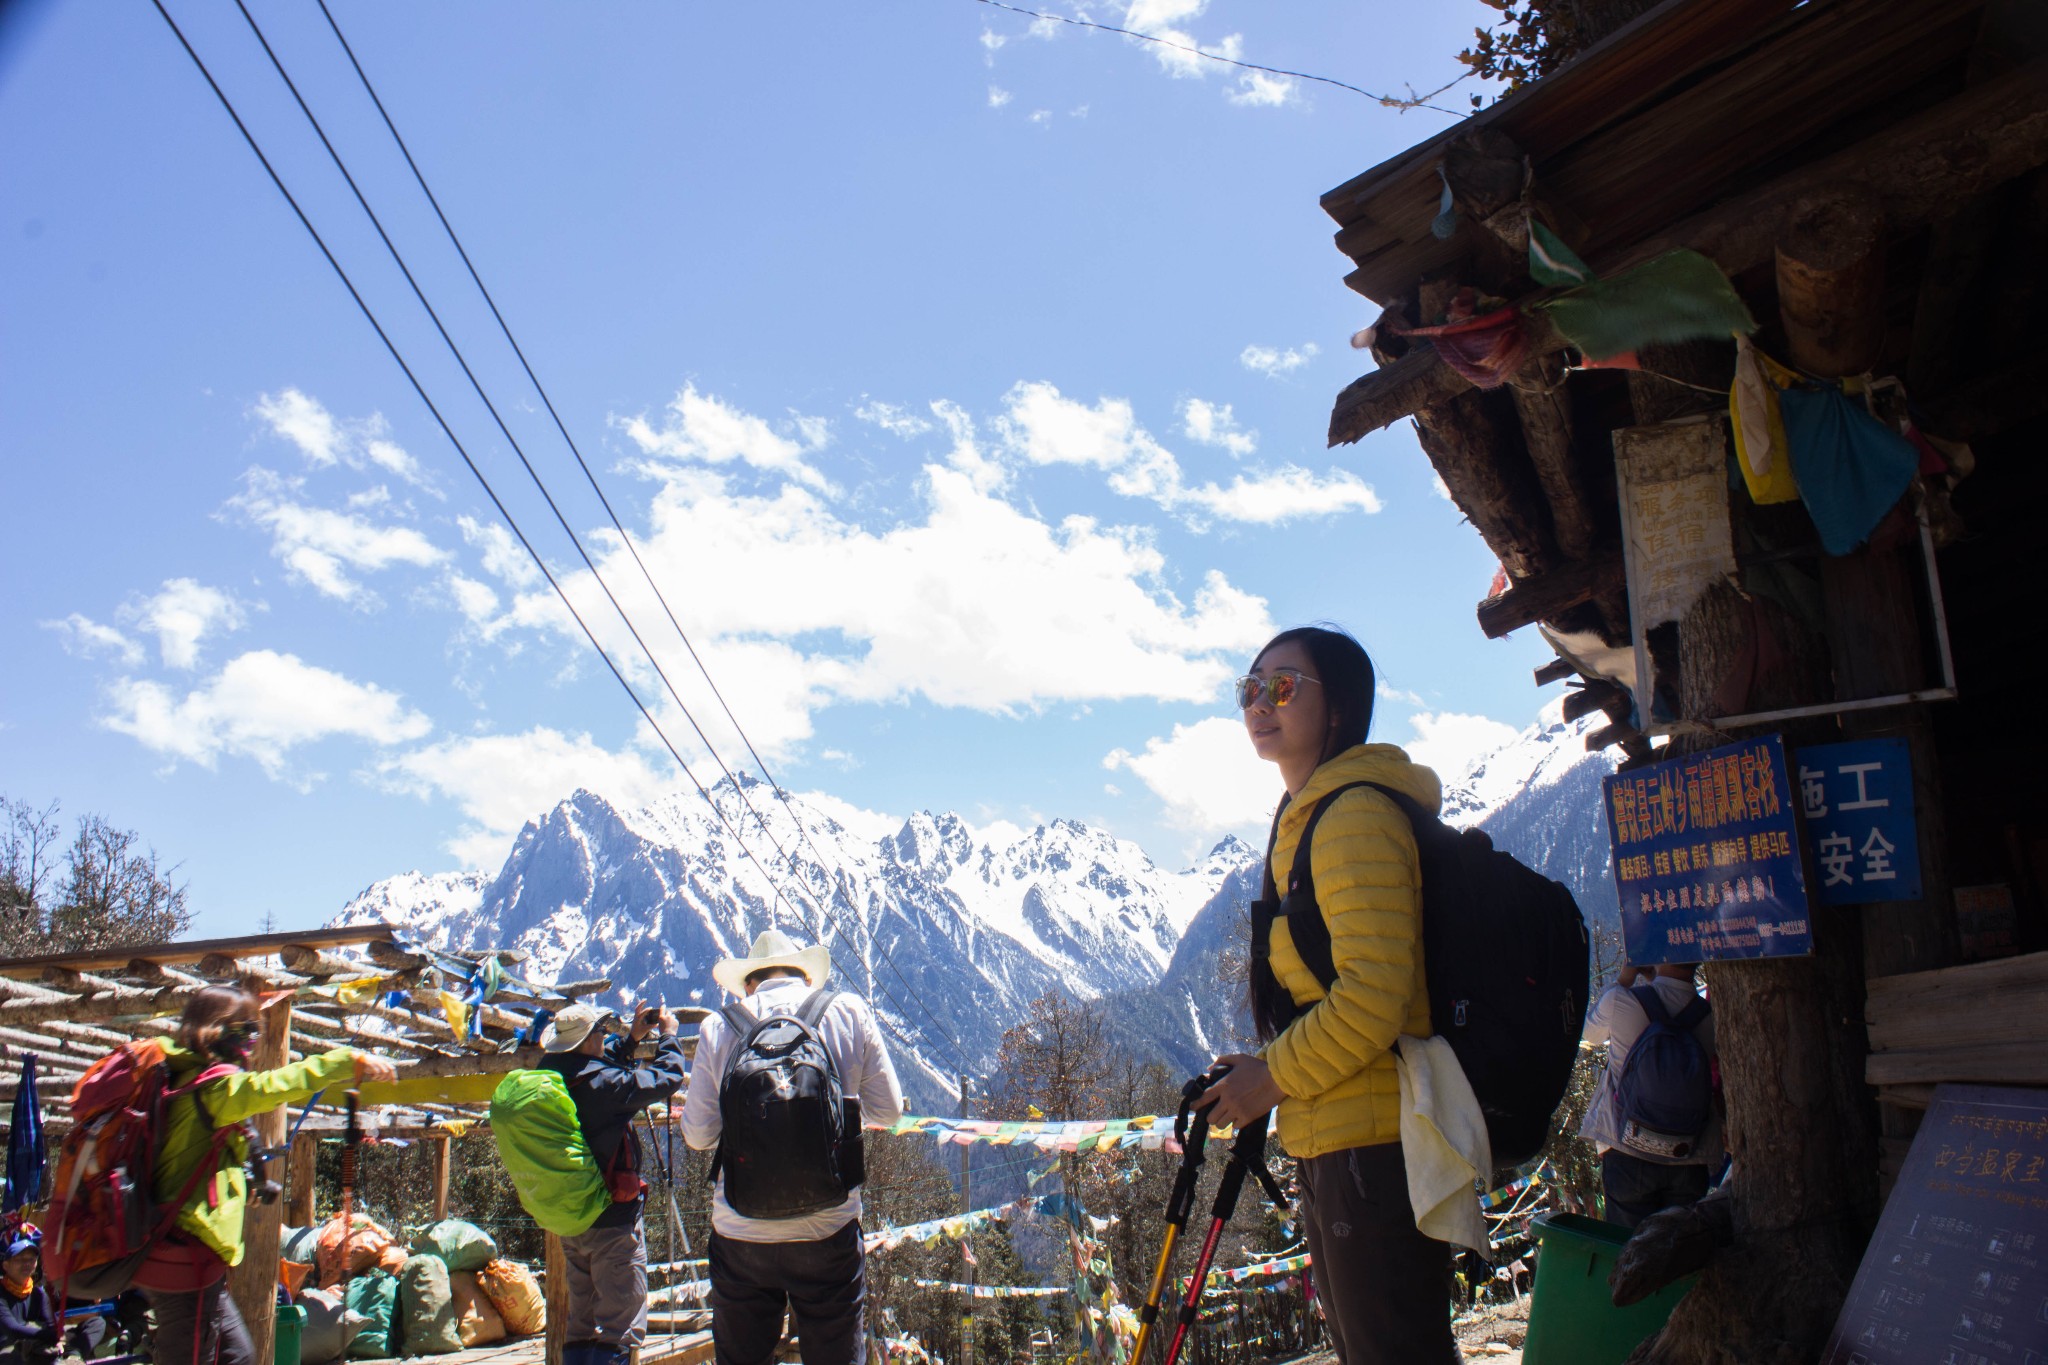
x=195 y=950
x=1917 y=1011
x=254 y=1281
x=2014 y=1063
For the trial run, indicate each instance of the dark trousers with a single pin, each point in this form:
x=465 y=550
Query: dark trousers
x=1382 y=1283
x=823 y=1284
x=202 y=1328
x=1636 y=1188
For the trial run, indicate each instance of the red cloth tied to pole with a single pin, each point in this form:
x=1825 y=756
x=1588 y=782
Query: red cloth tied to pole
x=1486 y=349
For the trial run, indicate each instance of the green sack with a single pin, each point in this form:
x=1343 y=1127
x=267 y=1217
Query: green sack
x=464 y=1246
x=542 y=1146
x=426 y=1307
x=375 y=1296
x=301 y=1245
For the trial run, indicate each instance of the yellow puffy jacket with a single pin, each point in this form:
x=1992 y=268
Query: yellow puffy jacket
x=1334 y=1062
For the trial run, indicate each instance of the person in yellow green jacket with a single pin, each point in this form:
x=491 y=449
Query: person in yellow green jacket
x=1328 y=1059
x=185 y=1275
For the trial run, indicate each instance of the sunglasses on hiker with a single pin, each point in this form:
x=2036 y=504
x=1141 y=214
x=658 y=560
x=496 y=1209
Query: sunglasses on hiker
x=1279 y=687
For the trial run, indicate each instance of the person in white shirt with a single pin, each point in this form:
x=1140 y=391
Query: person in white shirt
x=1638 y=1184
x=810 y=1263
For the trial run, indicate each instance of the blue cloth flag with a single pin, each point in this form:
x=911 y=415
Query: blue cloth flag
x=1850 y=467
x=26 y=1151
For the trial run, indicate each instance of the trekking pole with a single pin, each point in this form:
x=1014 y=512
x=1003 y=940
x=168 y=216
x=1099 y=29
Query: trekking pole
x=351 y=1139
x=1247 y=1156
x=1191 y=1130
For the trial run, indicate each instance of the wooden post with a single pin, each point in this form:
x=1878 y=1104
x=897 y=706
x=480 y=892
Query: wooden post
x=300 y=1176
x=558 y=1299
x=440 y=1151
x=254 y=1281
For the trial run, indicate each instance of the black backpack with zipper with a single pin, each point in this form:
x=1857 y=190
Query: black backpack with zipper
x=1505 y=958
x=783 y=1115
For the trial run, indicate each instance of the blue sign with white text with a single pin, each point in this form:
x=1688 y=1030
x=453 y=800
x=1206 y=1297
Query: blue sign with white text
x=1707 y=858
x=1858 y=802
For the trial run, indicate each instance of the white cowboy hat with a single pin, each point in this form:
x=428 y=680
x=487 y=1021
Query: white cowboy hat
x=773 y=949
x=573 y=1025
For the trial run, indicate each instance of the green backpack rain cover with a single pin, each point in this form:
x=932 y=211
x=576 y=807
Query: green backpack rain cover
x=542 y=1146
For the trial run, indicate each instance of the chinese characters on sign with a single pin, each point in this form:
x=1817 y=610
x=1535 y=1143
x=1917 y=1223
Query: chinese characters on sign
x=1958 y=1271
x=1674 y=489
x=1706 y=856
x=1858 y=802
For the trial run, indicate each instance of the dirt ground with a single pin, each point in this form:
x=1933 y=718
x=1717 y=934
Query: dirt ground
x=1493 y=1334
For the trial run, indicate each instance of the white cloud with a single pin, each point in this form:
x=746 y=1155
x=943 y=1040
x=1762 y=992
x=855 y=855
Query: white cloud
x=998 y=97
x=499 y=782
x=1043 y=427
x=1261 y=89
x=1439 y=487
x=325 y=440
x=1450 y=742
x=261 y=705
x=1388 y=692
x=1041 y=117
x=1214 y=424
x=992 y=41
x=707 y=429
x=1206 y=776
x=183 y=614
x=306 y=424
x=82 y=635
x=1273 y=362
x=892 y=418
x=1286 y=494
x=1162 y=19
x=503 y=556
x=323 y=547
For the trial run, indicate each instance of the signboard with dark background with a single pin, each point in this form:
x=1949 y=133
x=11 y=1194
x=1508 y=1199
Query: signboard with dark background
x=1957 y=1273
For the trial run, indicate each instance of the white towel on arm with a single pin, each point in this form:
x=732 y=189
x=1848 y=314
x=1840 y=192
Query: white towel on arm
x=1443 y=1141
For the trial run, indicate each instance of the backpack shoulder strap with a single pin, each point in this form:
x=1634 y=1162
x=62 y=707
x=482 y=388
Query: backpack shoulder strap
x=1692 y=1016
x=738 y=1019
x=1304 y=851
x=1653 y=1004
x=813 y=1009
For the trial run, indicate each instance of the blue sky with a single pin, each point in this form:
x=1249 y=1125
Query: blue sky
x=962 y=378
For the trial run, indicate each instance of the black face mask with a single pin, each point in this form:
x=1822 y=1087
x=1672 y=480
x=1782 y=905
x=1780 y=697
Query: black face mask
x=236 y=1041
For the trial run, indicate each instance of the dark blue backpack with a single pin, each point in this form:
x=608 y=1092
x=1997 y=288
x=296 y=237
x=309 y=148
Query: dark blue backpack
x=1666 y=1089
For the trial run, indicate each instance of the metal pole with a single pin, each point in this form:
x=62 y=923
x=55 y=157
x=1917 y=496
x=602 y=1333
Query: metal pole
x=967 y=1206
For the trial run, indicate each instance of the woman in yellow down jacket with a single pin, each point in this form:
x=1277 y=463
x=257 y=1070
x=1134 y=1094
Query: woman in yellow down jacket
x=1328 y=1060
x=185 y=1275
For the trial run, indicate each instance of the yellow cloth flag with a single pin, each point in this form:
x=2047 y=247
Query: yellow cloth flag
x=1760 y=449
x=359 y=992
x=457 y=1012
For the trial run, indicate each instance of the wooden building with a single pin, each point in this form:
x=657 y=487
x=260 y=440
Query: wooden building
x=1868 y=176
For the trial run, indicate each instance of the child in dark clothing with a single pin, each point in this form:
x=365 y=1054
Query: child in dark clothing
x=28 y=1327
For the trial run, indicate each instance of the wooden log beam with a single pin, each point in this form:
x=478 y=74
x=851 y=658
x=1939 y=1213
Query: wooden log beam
x=1546 y=414
x=439 y=1151
x=2023 y=1062
x=74 y=982
x=107 y=1005
x=259 y=945
x=1916 y=171
x=1594 y=696
x=301 y=1169
x=1620 y=732
x=307 y=960
x=1544 y=597
x=389 y=954
x=1830 y=267
x=1557 y=670
x=254 y=1282
x=555 y=1277
x=157 y=974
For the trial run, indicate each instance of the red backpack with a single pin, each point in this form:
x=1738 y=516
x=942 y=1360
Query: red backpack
x=103 y=1213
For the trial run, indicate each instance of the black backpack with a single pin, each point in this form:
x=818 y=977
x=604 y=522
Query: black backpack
x=783 y=1115
x=1505 y=956
x=1665 y=1092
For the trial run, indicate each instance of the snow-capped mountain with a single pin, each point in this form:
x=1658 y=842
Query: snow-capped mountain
x=949 y=929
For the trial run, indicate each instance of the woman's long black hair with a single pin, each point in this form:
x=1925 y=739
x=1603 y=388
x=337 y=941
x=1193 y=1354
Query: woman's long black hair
x=1345 y=672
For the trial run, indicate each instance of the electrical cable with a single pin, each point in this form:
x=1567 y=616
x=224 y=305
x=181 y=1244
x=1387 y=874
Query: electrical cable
x=449 y=432
x=1390 y=101
x=617 y=523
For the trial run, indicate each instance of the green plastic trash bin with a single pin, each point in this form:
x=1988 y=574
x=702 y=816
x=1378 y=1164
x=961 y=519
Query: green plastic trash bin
x=1572 y=1319
x=291 y=1323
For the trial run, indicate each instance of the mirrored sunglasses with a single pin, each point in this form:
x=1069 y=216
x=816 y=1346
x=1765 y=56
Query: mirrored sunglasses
x=1279 y=687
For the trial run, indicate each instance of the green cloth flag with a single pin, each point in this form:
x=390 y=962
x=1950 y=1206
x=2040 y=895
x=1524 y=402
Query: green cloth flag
x=1678 y=296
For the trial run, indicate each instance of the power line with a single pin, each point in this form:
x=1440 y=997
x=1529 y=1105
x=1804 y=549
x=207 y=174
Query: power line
x=618 y=525
x=553 y=582
x=449 y=432
x=1413 y=101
